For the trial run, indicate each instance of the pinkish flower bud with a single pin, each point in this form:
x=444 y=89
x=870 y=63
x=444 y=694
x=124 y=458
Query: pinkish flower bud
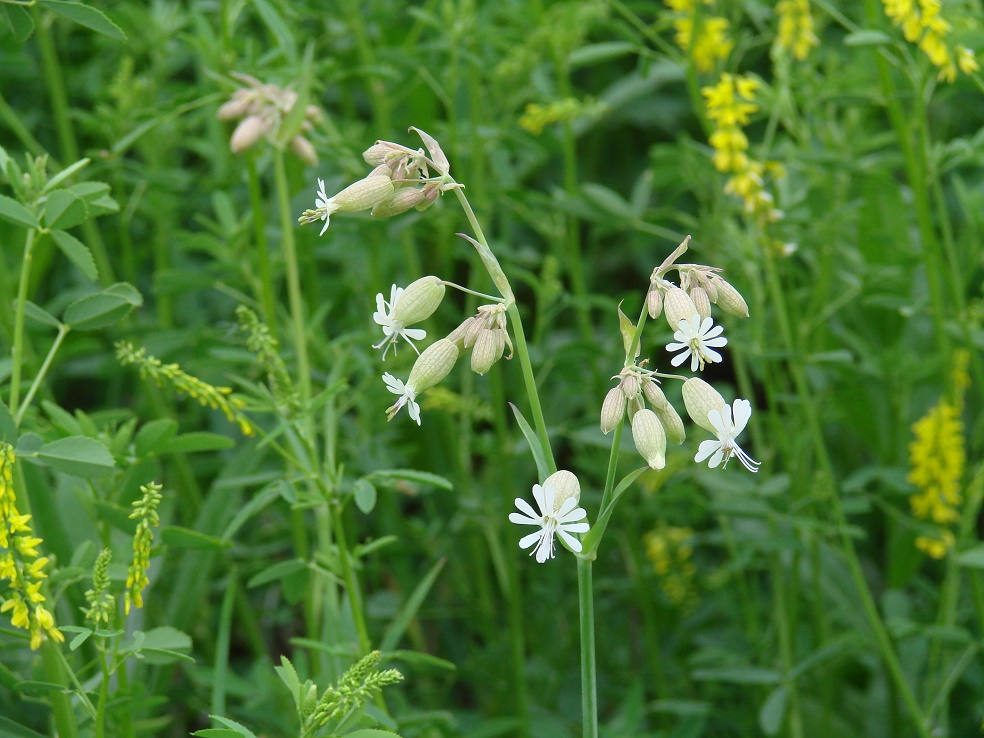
x=250 y=130
x=304 y=150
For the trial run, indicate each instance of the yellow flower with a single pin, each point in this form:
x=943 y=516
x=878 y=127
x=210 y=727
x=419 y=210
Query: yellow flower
x=936 y=545
x=710 y=43
x=936 y=459
x=922 y=24
x=796 y=27
x=145 y=511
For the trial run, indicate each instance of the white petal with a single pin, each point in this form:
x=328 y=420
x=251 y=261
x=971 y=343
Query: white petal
x=570 y=540
x=545 y=550
x=569 y=504
x=527 y=541
x=743 y=411
x=414 y=409
x=714 y=332
x=518 y=519
x=573 y=516
x=705 y=326
x=549 y=496
x=525 y=508
x=716 y=458
x=714 y=417
x=393 y=384
x=575 y=527
x=326 y=225
x=539 y=496
x=677 y=346
x=417 y=334
x=711 y=355
x=706 y=449
x=680 y=358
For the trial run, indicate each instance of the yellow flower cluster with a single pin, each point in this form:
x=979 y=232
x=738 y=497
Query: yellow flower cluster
x=145 y=512
x=729 y=104
x=102 y=604
x=669 y=551
x=537 y=117
x=217 y=398
x=796 y=27
x=708 y=35
x=936 y=464
x=20 y=564
x=922 y=24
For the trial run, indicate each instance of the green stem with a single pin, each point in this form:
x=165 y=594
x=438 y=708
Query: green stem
x=221 y=670
x=18 y=347
x=267 y=299
x=62 y=332
x=293 y=277
x=589 y=683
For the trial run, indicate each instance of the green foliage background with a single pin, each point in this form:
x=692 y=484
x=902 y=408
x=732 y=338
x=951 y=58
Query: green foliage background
x=859 y=301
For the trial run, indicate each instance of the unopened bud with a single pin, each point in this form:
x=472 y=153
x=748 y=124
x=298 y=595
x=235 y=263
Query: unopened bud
x=419 y=300
x=629 y=386
x=653 y=393
x=313 y=113
x=729 y=299
x=237 y=107
x=700 y=398
x=612 y=410
x=248 y=132
x=378 y=153
x=672 y=423
x=304 y=150
x=434 y=364
x=701 y=302
x=654 y=303
x=403 y=199
x=649 y=438
x=473 y=330
x=485 y=352
x=565 y=486
x=364 y=194
x=459 y=333
x=677 y=306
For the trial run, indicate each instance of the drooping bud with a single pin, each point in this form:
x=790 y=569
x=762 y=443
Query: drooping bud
x=649 y=438
x=419 y=300
x=565 y=486
x=677 y=306
x=485 y=352
x=434 y=364
x=378 y=153
x=701 y=302
x=458 y=334
x=364 y=194
x=474 y=328
x=629 y=386
x=653 y=393
x=250 y=130
x=700 y=398
x=403 y=199
x=612 y=410
x=304 y=150
x=667 y=414
x=729 y=299
x=237 y=107
x=654 y=302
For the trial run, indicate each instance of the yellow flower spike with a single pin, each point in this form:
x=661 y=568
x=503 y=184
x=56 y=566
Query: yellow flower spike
x=922 y=24
x=145 y=511
x=795 y=32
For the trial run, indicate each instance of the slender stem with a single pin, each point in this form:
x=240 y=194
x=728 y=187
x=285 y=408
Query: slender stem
x=524 y=360
x=18 y=347
x=589 y=682
x=262 y=248
x=467 y=291
x=293 y=278
x=221 y=670
x=62 y=332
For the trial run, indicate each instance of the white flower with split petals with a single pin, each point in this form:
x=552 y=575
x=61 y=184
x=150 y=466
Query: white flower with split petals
x=697 y=339
x=392 y=327
x=324 y=206
x=407 y=395
x=563 y=521
x=728 y=425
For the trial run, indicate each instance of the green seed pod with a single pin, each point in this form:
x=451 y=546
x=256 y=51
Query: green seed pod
x=419 y=300
x=459 y=333
x=700 y=398
x=363 y=195
x=433 y=365
x=672 y=423
x=403 y=199
x=654 y=303
x=612 y=410
x=701 y=302
x=650 y=438
x=485 y=352
x=677 y=306
x=565 y=485
x=729 y=299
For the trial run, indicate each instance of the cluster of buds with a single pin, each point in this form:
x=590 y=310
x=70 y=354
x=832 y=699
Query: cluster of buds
x=401 y=179
x=486 y=335
x=260 y=110
x=687 y=308
x=651 y=426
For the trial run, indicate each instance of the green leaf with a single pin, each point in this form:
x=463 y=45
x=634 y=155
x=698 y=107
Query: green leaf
x=370 y=733
x=868 y=37
x=288 y=675
x=67 y=173
x=9 y=727
x=422 y=659
x=77 y=252
x=85 y=15
x=593 y=54
x=531 y=438
x=218 y=733
x=279 y=29
x=251 y=508
x=365 y=496
x=410 y=475
x=192 y=442
x=178 y=537
x=40 y=315
x=161 y=645
x=153 y=434
x=237 y=728
x=64 y=209
x=103 y=308
x=13 y=212
x=409 y=610
x=78 y=456
x=593 y=537
x=20 y=22
x=608 y=201
x=738 y=675
x=8 y=428
x=627 y=328
x=294 y=119
x=773 y=711
x=972 y=558
x=278 y=571
x=96 y=196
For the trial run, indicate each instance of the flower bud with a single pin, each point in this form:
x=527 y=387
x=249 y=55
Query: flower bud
x=485 y=352
x=612 y=410
x=433 y=365
x=700 y=398
x=248 y=132
x=701 y=302
x=377 y=154
x=404 y=199
x=304 y=150
x=364 y=194
x=710 y=289
x=653 y=393
x=672 y=423
x=729 y=299
x=419 y=300
x=649 y=438
x=677 y=306
x=629 y=386
x=654 y=302
x=565 y=485
x=237 y=107
x=474 y=328
x=459 y=333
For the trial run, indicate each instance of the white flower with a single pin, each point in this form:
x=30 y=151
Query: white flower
x=324 y=206
x=562 y=521
x=407 y=397
x=728 y=426
x=696 y=337
x=393 y=328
